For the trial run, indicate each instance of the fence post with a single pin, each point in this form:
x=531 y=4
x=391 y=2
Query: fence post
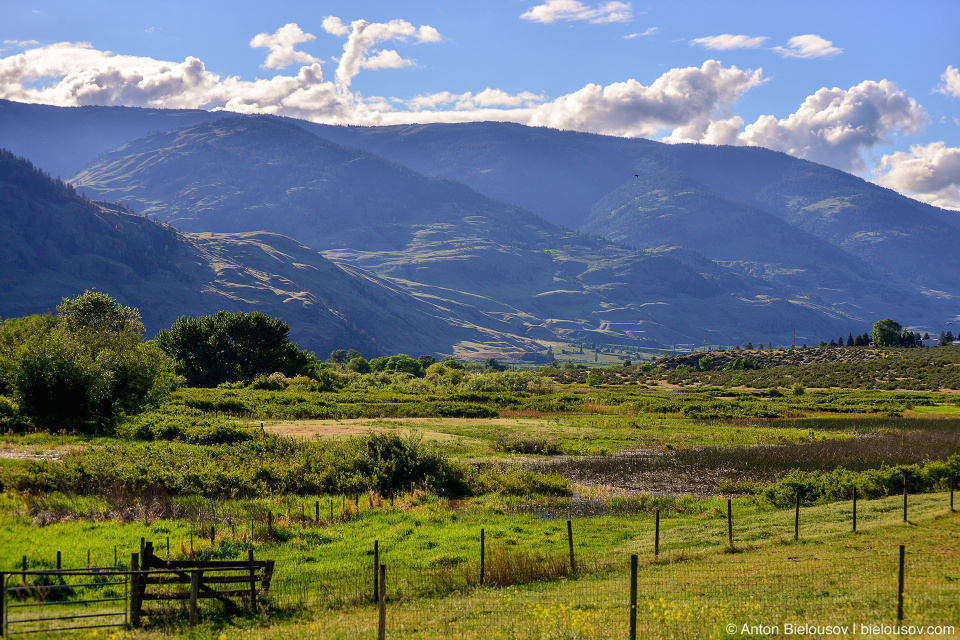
x=317 y=519
x=376 y=568
x=951 y=491
x=23 y=567
x=900 y=586
x=656 y=539
x=730 y=521
x=573 y=561
x=270 y=523
x=253 y=581
x=168 y=547
x=854 y=509
x=213 y=537
x=3 y=599
x=633 y=597
x=382 y=613
x=331 y=509
x=134 y=590
x=194 y=593
x=796 y=519
x=481 y=556
x=59 y=564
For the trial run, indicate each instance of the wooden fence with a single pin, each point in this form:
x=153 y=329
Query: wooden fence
x=153 y=578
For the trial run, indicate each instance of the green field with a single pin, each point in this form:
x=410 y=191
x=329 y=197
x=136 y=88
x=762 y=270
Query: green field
x=517 y=464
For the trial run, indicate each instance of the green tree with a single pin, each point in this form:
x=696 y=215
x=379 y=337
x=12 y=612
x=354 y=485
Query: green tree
x=705 y=363
x=360 y=365
x=886 y=333
x=232 y=347
x=492 y=364
x=338 y=356
x=86 y=367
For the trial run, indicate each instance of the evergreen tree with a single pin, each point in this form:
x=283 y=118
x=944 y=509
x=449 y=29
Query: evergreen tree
x=850 y=342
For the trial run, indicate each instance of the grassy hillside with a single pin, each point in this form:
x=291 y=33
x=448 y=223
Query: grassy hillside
x=491 y=263
x=57 y=244
x=562 y=175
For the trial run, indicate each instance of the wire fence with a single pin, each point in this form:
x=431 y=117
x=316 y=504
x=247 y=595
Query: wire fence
x=738 y=595
x=786 y=589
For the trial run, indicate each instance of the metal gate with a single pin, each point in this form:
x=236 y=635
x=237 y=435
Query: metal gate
x=64 y=599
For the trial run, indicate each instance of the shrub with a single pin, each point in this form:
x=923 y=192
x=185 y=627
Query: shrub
x=274 y=382
x=183 y=424
x=85 y=368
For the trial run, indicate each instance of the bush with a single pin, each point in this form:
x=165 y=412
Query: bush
x=85 y=368
x=274 y=382
x=182 y=424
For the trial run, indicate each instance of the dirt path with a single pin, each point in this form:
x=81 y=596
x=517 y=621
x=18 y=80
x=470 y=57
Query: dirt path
x=427 y=427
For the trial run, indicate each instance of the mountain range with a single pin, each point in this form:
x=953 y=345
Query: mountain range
x=485 y=238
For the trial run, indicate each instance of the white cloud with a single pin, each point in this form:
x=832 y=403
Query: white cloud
x=282 y=44
x=728 y=41
x=835 y=126
x=930 y=173
x=707 y=131
x=684 y=101
x=951 y=82
x=488 y=98
x=675 y=99
x=75 y=74
x=648 y=32
x=808 y=46
x=572 y=10
x=334 y=26
x=363 y=36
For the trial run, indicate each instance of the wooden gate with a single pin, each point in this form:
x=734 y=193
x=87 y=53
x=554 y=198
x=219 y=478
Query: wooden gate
x=157 y=579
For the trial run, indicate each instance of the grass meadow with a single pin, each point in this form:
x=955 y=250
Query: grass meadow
x=607 y=459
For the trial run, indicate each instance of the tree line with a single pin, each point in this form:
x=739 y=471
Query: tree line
x=85 y=367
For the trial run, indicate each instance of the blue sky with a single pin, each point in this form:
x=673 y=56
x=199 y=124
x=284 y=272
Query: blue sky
x=867 y=87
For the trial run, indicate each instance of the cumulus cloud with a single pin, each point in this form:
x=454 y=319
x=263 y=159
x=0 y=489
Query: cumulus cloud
x=76 y=74
x=363 y=36
x=706 y=130
x=728 y=41
x=950 y=82
x=930 y=173
x=282 y=44
x=808 y=46
x=677 y=98
x=572 y=10
x=334 y=26
x=835 y=126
